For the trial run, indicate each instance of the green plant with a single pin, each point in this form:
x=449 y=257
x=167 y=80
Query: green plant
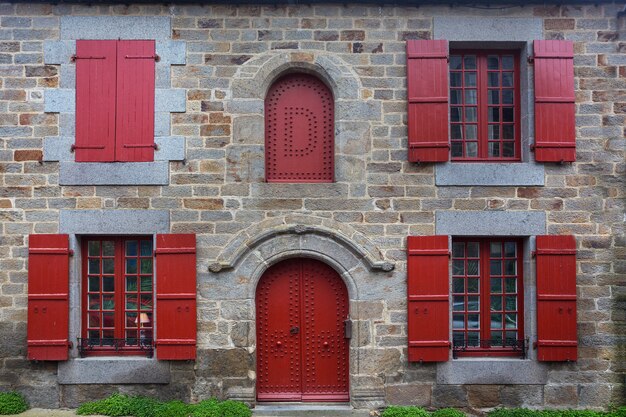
x=231 y=408
x=448 y=412
x=116 y=405
x=404 y=411
x=143 y=406
x=12 y=403
x=207 y=408
x=173 y=408
x=513 y=412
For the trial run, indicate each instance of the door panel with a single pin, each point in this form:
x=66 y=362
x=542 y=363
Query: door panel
x=302 y=354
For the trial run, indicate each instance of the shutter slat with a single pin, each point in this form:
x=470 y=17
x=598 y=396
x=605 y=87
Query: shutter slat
x=427 y=87
x=428 y=298
x=95 y=101
x=176 y=297
x=48 y=297
x=135 y=101
x=556 y=298
x=555 y=124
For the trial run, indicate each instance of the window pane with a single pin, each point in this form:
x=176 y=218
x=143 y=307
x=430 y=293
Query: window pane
x=455 y=97
x=458 y=321
x=496 y=303
x=458 y=303
x=473 y=304
x=507 y=97
x=455 y=62
x=508 y=132
x=507 y=79
x=457 y=149
x=146 y=266
x=496 y=339
x=470 y=61
x=493 y=62
x=511 y=336
x=107 y=338
x=108 y=266
x=108 y=320
x=494 y=149
x=472 y=285
x=146 y=248
x=456 y=132
x=472 y=249
x=470 y=114
x=495 y=268
x=131 y=337
x=507 y=114
x=458 y=267
x=131 y=248
x=470 y=132
x=493 y=131
x=470 y=79
x=458 y=285
x=94 y=302
x=511 y=303
x=494 y=114
x=496 y=285
x=455 y=114
x=470 y=97
x=458 y=250
x=493 y=96
x=108 y=284
x=131 y=283
x=495 y=249
x=510 y=285
x=93 y=334
x=94 y=320
x=493 y=79
x=455 y=79
x=496 y=321
x=473 y=339
x=94 y=284
x=94 y=266
x=510 y=249
x=472 y=267
x=458 y=338
x=131 y=319
x=508 y=149
x=146 y=284
x=471 y=148
x=507 y=62
x=94 y=248
x=472 y=321
x=511 y=320
x=510 y=267
x=131 y=266
x=108 y=248
x=131 y=302
x=108 y=302
x=146 y=301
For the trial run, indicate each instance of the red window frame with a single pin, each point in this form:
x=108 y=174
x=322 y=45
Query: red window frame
x=110 y=322
x=480 y=299
x=485 y=113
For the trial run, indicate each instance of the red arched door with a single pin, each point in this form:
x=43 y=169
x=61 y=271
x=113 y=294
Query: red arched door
x=302 y=351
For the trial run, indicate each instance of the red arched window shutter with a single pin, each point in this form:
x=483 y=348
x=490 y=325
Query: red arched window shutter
x=299 y=130
x=428 y=298
x=555 y=121
x=48 y=300
x=176 y=296
x=556 y=298
x=427 y=86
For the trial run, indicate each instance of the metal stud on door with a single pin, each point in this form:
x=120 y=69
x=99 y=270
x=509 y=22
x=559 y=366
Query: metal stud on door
x=302 y=352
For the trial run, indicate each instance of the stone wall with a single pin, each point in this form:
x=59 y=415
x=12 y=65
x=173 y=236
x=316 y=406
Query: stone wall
x=358 y=224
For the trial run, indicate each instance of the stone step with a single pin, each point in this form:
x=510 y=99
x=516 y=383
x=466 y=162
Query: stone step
x=307 y=410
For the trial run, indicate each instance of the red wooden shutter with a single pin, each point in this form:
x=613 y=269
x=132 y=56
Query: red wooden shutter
x=555 y=122
x=95 y=101
x=48 y=302
x=428 y=298
x=556 y=298
x=299 y=130
x=176 y=297
x=135 y=101
x=427 y=86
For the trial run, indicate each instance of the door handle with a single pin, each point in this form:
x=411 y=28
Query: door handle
x=347 y=329
x=294 y=330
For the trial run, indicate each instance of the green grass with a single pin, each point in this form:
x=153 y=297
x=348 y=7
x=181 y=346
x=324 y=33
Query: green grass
x=411 y=411
x=12 y=403
x=137 y=406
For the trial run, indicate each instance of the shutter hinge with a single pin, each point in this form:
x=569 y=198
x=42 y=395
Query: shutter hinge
x=74 y=57
x=139 y=145
x=74 y=147
x=70 y=253
x=70 y=345
x=531 y=59
x=156 y=57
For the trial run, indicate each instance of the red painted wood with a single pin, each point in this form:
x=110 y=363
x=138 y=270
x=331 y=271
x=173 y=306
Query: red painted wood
x=135 y=101
x=555 y=121
x=312 y=364
x=556 y=298
x=428 y=298
x=95 y=101
x=176 y=297
x=299 y=130
x=48 y=300
x=427 y=85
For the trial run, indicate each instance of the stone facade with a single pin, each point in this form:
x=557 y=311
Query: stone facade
x=219 y=62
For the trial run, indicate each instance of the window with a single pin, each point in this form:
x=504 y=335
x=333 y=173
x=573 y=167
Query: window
x=115 y=83
x=299 y=130
x=118 y=296
x=487 y=297
x=484 y=105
